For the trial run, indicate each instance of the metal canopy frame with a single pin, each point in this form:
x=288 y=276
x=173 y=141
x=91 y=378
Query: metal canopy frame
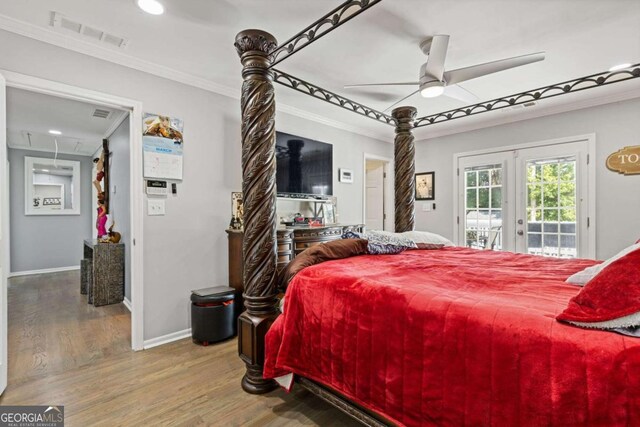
x=350 y=9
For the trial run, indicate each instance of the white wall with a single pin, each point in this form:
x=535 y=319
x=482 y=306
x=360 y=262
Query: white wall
x=187 y=248
x=618 y=197
x=119 y=202
x=47 y=241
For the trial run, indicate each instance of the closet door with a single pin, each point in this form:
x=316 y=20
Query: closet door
x=4 y=233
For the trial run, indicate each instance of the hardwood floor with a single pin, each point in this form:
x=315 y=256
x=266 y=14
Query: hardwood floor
x=63 y=351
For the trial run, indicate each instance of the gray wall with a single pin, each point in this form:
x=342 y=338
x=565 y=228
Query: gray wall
x=119 y=201
x=618 y=197
x=187 y=248
x=48 y=241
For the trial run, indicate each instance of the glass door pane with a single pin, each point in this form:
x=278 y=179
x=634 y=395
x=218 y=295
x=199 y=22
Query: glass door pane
x=551 y=207
x=483 y=207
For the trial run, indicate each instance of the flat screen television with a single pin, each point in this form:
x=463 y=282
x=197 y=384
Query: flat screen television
x=304 y=166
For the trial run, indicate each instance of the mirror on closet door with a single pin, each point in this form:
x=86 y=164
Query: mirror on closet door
x=52 y=187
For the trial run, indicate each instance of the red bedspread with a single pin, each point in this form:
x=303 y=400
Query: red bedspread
x=455 y=337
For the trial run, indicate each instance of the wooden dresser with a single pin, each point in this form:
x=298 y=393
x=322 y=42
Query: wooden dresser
x=291 y=241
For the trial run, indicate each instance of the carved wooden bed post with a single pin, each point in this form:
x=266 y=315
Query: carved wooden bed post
x=259 y=194
x=404 y=168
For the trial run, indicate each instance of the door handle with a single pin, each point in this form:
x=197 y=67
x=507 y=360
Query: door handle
x=520 y=233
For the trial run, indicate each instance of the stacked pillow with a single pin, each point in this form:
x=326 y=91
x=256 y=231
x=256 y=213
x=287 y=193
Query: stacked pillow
x=582 y=277
x=426 y=240
x=384 y=242
x=611 y=299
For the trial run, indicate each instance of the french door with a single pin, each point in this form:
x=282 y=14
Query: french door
x=533 y=199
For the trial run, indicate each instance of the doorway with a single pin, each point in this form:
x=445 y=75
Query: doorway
x=377 y=193
x=537 y=199
x=133 y=119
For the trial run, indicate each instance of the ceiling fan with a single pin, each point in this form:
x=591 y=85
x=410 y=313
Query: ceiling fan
x=435 y=81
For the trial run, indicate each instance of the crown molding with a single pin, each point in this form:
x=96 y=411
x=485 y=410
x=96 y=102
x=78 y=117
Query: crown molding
x=77 y=45
x=521 y=115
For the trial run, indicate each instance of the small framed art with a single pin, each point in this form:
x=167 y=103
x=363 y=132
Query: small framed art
x=425 y=186
x=329 y=213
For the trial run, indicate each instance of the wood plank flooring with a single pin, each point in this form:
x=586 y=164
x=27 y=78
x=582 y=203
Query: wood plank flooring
x=63 y=351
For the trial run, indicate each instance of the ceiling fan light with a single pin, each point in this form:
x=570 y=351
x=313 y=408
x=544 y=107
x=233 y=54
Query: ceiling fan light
x=432 y=91
x=153 y=7
x=620 y=67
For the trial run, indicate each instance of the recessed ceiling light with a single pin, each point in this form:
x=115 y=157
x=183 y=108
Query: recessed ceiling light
x=55 y=132
x=154 y=7
x=620 y=67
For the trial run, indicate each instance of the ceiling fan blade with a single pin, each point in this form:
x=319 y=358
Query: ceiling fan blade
x=468 y=73
x=437 y=55
x=460 y=93
x=381 y=84
x=393 y=105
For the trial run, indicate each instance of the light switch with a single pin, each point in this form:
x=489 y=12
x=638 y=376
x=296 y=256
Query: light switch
x=426 y=207
x=155 y=207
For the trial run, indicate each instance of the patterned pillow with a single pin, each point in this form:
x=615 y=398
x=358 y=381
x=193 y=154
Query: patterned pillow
x=352 y=235
x=382 y=242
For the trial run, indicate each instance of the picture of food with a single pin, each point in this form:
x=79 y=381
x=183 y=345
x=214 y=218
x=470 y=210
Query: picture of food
x=164 y=127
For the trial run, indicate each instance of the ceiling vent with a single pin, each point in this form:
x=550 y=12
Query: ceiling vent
x=101 y=114
x=519 y=106
x=64 y=24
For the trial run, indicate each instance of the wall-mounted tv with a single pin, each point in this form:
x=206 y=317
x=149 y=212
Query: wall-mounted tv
x=304 y=166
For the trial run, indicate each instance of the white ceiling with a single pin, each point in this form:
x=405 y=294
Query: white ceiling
x=580 y=37
x=31 y=115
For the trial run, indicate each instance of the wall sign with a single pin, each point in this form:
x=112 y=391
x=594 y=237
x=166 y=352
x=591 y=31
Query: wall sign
x=625 y=161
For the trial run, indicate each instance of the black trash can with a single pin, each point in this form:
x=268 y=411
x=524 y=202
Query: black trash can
x=212 y=314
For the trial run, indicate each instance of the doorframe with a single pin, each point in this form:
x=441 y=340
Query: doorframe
x=136 y=241
x=389 y=211
x=4 y=237
x=590 y=138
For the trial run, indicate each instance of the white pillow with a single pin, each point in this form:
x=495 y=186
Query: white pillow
x=426 y=237
x=582 y=277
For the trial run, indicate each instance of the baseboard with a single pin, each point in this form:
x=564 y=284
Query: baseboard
x=166 y=339
x=43 y=271
x=127 y=303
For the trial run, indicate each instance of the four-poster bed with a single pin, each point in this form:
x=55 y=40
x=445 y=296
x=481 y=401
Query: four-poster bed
x=259 y=52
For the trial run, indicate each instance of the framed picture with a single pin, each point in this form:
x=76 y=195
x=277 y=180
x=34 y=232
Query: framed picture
x=237 y=209
x=425 y=186
x=329 y=213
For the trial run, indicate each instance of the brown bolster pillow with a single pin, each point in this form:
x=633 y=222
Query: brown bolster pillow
x=335 y=249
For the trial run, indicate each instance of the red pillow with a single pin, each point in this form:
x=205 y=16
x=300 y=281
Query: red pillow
x=613 y=293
